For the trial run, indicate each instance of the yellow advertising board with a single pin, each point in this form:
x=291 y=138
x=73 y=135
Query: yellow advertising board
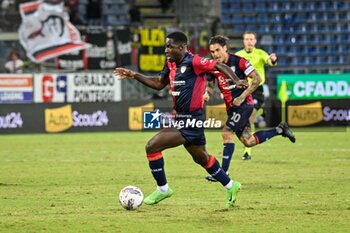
x=136 y=115
x=58 y=119
x=303 y=115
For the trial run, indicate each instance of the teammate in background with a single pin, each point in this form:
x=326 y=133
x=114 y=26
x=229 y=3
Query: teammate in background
x=257 y=58
x=185 y=73
x=239 y=103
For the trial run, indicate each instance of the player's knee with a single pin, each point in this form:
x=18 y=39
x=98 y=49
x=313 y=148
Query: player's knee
x=227 y=136
x=248 y=142
x=150 y=148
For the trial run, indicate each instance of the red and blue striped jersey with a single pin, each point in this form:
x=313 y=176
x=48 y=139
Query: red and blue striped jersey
x=188 y=81
x=242 y=69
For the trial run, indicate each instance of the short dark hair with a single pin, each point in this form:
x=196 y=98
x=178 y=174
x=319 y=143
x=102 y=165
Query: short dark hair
x=178 y=37
x=219 y=39
x=249 y=32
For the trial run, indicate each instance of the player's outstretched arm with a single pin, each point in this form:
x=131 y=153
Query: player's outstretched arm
x=155 y=82
x=223 y=68
x=256 y=79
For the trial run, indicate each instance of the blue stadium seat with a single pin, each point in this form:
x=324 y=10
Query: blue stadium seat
x=322 y=60
x=235 y=7
x=239 y=28
x=300 y=17
x=251 y=27
x=333 y=48
x=298 y=6
x=237 y=19
x=260 y=7
x=264 y=28
x=249 y=19
x=304 y=33
x=225 y=19
x=262 y=18
x=247 y=6
x=343 y=38
x=340 y=5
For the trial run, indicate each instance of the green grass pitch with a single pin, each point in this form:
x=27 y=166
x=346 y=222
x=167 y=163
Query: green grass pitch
x=71 y=182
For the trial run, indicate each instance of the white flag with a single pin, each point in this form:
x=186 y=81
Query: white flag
x=46 y=32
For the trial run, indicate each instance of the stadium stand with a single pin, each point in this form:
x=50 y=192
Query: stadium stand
x=307 y=35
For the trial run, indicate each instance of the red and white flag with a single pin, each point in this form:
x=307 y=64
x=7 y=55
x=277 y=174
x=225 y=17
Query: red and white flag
x=46 y=32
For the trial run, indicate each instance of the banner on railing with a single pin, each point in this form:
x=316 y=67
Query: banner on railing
x=46 y=32
x=110 y=48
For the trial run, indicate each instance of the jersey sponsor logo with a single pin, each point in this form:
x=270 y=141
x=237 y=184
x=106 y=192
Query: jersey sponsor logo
x=183 y=69
x=179 y=83
x=175 y=93
x=229 y=87
x=223 y=82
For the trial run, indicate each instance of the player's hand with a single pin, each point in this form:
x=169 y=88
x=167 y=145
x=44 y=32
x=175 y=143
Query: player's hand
x=206 y=97
x=242 y=84
x=123 y=73
x=238 y=101
x=273 y=57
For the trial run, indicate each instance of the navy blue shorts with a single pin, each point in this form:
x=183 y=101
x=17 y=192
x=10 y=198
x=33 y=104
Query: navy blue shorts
x=238 y=118
x=193 y=135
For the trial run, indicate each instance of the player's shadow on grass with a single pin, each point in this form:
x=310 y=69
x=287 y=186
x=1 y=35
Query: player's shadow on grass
x=236 y=207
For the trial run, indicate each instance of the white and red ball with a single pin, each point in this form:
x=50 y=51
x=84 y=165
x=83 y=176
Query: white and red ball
x=131 y=197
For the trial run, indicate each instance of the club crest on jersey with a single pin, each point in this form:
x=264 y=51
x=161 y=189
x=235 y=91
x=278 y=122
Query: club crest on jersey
x=233 y=68
x=183 y=69
x=204 y=61
x=221 y=79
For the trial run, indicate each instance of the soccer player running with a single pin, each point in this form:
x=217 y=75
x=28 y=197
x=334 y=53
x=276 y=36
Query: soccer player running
x=239 y=103
x=257 y=58
x=185 y=73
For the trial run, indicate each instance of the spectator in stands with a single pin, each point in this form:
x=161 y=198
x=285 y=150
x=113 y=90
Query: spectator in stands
x=258 y=58
x=7 y=4
x=165 y=4
x=135 y=15
x=94 y=12
x=14 y=63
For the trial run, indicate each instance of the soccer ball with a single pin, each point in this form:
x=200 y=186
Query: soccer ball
x=131 y=197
